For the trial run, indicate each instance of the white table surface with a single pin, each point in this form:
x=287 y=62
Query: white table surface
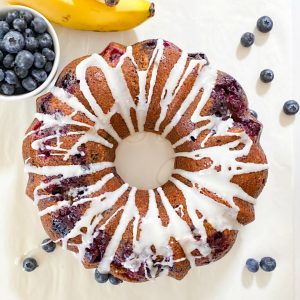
x=213 y=27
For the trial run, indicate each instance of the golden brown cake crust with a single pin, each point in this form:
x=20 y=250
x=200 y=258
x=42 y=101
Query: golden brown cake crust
x=226 y=102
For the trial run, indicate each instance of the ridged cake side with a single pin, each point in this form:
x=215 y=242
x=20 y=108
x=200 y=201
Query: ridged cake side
x=153 y=86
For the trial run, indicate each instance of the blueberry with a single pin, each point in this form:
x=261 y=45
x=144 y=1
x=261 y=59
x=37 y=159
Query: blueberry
x=48 y=245
x=11 y=16
x=268 y=264
x=4 y=28
x=29 y=264
x=13 y=42
x=48 y=66
x=31 y=43
x=49 y=54
x=19 y=89
x=45 y=40
x=26 y=15
x=264 y=24
x=19 y=24
x=2 y=45
x=252 y=265
x=7 y=89
x=21 y=73
x=8 y=61
x=291 y=107
x=101 y=278
x=1 y=56
x=39 y=25
x=28 y=33
x=114 y=280
x=2 y=75
x=24 y=59
x=29 y=84
x=266 y=75
x=59 y=227
x=253 y=113
x=247 y=39
x=39 y=75
x=39 y=60
x=111 y=2
x=11 y=77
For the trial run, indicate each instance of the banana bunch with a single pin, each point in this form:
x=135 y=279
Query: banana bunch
x=95 y=15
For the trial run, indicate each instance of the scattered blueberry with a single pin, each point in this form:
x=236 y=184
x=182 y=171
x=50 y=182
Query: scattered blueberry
x=39 y=25
x=11 y=16
x=13 y=42
x=28 y=32
x=291 y=107
x=253 y=113
x=24 y=59
x=266 y=76
x=252 y=265
x=19 y=24
x=29 y=84
x=29 y=264
x=26 y=15
x=114 y=280
x=4 y=28
x=268 y=264
x=48 y=245
x=101 y=278
x=39 y=75
x=11 y=77
x=45 y=40
x=264 y=24
x=48 y=66
x=31 y=43
x=21 y=73
x=111 y=2
x=7 y=89
x=8 y=61
x=247 y=39
x=39 y=60
x=1 y=56
x=2 y=75
x=49 y=54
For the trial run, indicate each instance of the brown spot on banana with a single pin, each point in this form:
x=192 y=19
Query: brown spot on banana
x=66 y=18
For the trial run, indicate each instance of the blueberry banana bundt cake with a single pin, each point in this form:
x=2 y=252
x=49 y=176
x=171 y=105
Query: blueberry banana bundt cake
x=136 y=235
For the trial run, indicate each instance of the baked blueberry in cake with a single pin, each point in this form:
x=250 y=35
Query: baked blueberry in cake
x=137 y=235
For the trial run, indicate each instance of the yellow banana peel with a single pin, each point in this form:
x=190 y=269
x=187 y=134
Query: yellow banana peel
x=92 y=15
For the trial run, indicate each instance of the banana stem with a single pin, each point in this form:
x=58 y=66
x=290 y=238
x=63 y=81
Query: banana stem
x=152 y=9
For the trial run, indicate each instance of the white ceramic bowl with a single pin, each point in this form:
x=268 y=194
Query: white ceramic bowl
x=56 y=61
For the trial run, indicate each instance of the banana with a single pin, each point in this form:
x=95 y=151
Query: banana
x=92 y=14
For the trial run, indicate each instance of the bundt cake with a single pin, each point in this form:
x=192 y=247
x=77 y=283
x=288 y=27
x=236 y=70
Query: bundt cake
x=136 y=235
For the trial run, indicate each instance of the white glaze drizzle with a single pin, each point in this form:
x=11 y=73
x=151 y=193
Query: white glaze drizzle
x=148 y=231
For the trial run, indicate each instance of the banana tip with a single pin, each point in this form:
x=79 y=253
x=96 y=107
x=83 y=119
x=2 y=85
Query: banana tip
x=152 y=9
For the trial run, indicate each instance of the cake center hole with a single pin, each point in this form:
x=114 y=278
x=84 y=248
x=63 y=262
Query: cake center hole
x=145 y=160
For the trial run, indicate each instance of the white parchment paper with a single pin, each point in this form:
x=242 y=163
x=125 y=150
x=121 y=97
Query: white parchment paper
x=214 y=27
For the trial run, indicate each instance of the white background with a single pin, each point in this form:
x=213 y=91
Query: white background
x=214 y=27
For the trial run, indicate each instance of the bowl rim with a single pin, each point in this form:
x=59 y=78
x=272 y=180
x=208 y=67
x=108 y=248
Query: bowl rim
x=56 y=44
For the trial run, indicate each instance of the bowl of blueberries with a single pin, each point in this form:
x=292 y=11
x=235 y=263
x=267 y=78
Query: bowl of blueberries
x=29 y=53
